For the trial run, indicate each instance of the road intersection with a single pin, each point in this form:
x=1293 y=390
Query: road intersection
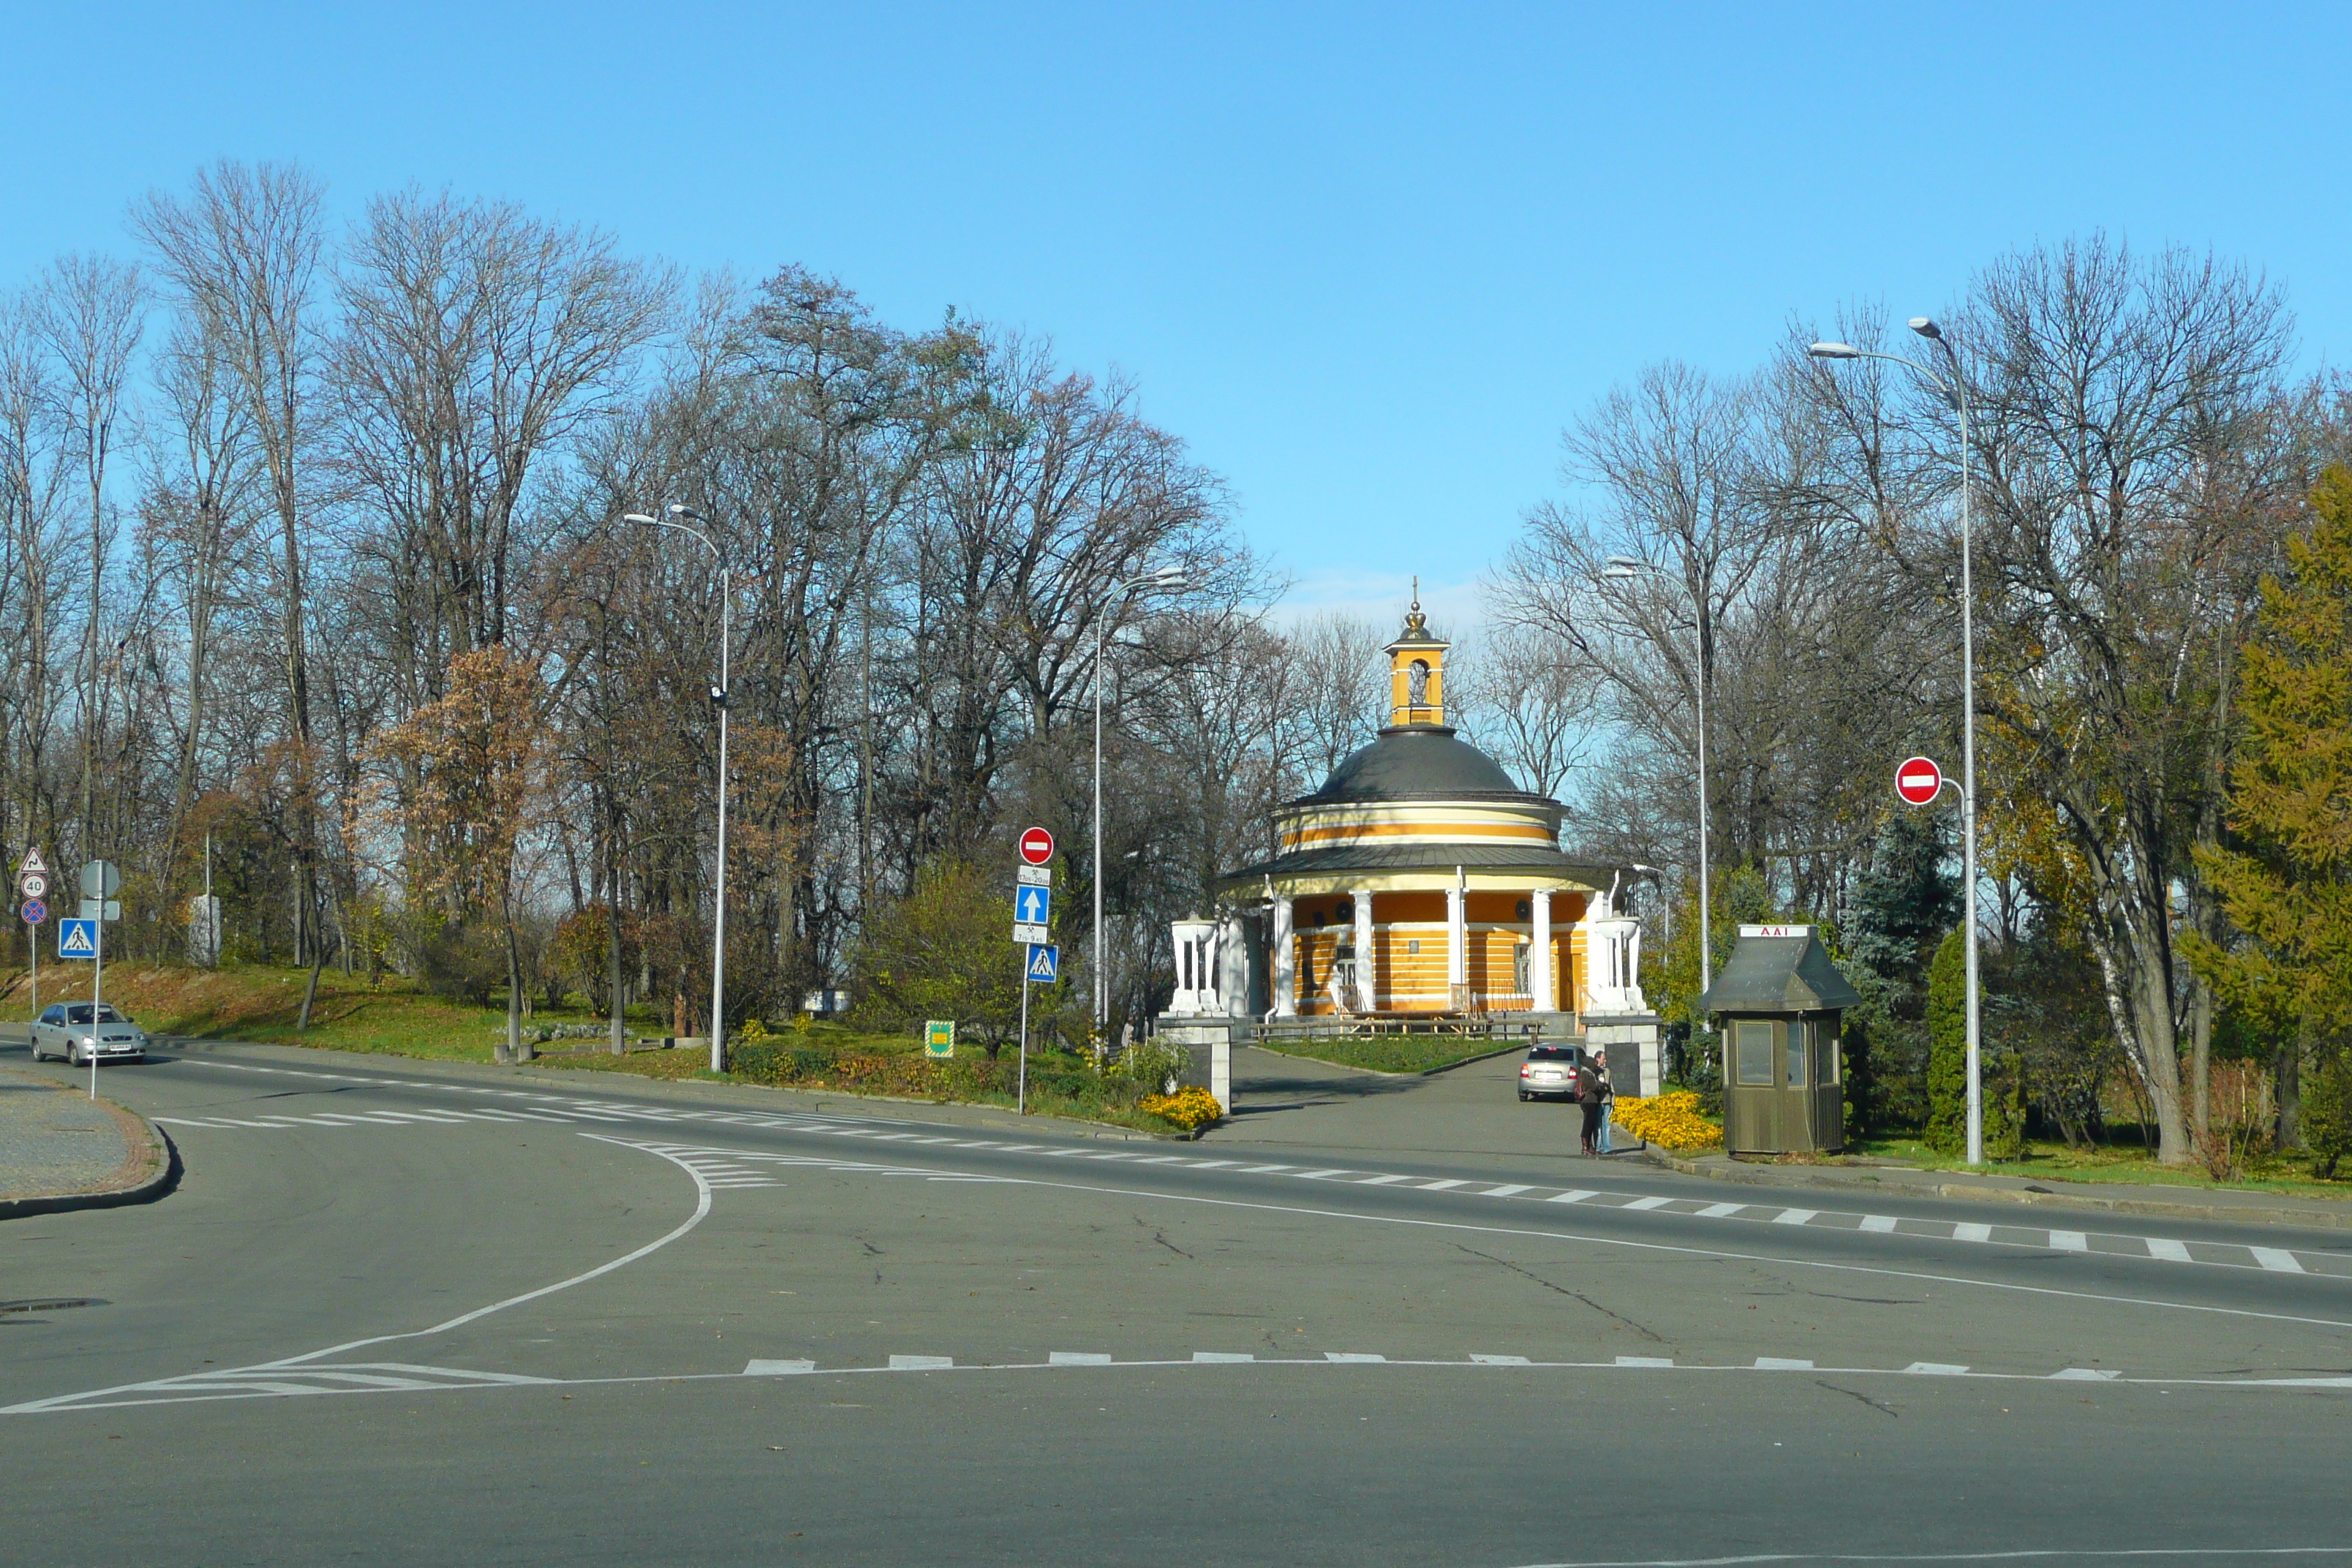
x=427 y=1312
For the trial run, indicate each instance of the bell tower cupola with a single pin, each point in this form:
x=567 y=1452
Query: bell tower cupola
x=1417 y=672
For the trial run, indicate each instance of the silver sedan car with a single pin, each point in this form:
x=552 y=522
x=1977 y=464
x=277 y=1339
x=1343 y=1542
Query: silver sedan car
x=1549 y=1071
x=64 y=1030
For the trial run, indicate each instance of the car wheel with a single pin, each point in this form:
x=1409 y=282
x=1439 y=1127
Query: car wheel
x=73 y=1055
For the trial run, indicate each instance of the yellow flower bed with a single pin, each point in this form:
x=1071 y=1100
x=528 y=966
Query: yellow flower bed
x=1670 y=1120
x=1187 y=1108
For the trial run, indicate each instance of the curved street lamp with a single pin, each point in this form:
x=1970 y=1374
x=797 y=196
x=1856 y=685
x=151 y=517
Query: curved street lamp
x=1955 y=387
x=1165 y=580
x=719 y=700
x=1623 y=568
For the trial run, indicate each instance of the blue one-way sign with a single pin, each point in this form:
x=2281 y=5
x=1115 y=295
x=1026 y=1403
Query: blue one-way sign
x=1041 y=963
x=76 y=939
x=1029 y=904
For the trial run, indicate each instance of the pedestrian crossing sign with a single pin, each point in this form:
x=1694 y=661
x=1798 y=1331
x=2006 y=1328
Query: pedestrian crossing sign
x=76 y=939
x=1043 y=963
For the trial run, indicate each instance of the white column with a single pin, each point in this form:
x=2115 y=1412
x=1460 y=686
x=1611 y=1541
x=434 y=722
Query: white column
x=1286 y=963
x=1365 y=977
x=1540 y=980
x=1457 y=942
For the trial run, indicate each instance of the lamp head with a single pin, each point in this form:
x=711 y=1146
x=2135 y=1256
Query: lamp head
x=1926 y=328
x=1630 y=562
x=679 y=509
x=1618 y=573
x=1170 y=577
x=1834 y=351
x=636 y=517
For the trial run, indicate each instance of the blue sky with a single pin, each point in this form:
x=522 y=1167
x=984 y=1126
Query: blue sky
x=1367 y=260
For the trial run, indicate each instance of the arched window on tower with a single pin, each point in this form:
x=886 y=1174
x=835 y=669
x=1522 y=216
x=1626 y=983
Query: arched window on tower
x=1416 y=683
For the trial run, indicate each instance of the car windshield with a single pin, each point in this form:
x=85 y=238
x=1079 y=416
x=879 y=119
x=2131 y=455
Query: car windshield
x=1552 y=1054
x=106 y=1014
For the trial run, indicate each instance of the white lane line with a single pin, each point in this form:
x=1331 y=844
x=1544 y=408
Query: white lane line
x=1574 y=1195
x=1499 y=1360
x=1934 y=1369
x=1796 y=1216
x=1352 y=1358
x=2170 y=1251
x=1262 y=1170
x=1223 y=1356
x=2275 y=1261
x=2084 y=1374
x=1440 y=1186
x=1321 y=1175
x=1971 y=1232
x=2069 y=1241
x=1507 y=1190
x=920 y=1363
x=1381 y=1181
x=777 y=1368
x=1716 y=1211
x=1643 y=1360
x=1078 y=1358
x=1782 y=1363
x=1644 y=1202
x=1879 y=1222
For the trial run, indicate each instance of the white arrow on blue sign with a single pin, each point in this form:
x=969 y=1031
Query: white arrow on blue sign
x=1043 y=962
x=1030 y=905
x=76 y=939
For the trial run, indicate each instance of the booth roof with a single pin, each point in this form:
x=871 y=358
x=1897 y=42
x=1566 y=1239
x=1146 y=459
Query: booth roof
x=1778 y=974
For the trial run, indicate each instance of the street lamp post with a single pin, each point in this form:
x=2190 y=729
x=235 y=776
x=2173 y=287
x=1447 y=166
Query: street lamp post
x=1166 y=580
x=721 y=701
x=1956 y=389
x=1625 y=567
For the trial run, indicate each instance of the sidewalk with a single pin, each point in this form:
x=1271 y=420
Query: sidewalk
x=2227 y=1205
x=61 y=1149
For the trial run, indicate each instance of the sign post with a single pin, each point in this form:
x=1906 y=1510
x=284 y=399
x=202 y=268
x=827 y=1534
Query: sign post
x=1032 y=908
x=33 y=880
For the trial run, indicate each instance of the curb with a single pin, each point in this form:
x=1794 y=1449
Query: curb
x=2220 y=1214
x=159 y=1182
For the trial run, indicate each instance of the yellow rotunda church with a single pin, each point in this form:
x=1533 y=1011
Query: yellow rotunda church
x=1420 y=879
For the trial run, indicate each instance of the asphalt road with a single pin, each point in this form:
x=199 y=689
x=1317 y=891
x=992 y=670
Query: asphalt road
x=410 y=1314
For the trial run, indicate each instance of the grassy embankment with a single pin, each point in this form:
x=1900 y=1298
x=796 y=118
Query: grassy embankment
x=395 y=1017
x=1388 y=1053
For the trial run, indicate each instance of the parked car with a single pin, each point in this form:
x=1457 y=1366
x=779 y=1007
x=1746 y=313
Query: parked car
x=64 y=1030
x=1550 y=1071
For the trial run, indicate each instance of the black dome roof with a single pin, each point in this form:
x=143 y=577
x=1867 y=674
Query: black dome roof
x=1417 y=761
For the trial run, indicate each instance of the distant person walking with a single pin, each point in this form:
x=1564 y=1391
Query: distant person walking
x=1608 y=1097
x=1587 y=1097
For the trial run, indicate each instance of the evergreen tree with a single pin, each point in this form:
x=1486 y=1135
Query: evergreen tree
x=2003 y=1073
x=2287 y=887
x=1902 y=903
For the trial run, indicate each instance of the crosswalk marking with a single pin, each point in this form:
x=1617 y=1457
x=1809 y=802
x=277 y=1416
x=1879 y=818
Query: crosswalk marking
x=2170 y=1251
x=2276 y=1260
x=1972 y=1233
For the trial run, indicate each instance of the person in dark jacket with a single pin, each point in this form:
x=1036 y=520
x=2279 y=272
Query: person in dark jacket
x=1608 y=1101
x=1587 y=1097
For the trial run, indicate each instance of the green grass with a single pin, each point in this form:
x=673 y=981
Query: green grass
x=1386 y=1053
x=2115 y=1162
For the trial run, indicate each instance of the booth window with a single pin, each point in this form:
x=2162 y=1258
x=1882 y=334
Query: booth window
x=1825 y=1056
x=1796 y=1055
x=1753 y=1047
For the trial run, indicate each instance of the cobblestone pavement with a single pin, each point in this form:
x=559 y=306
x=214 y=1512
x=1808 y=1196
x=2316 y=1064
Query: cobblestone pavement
x=55 y=1141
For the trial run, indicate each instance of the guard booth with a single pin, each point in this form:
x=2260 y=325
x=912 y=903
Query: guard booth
x=1777 y=1003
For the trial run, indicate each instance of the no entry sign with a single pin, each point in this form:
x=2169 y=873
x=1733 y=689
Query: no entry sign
x=1037 y=847
x=1919 y=781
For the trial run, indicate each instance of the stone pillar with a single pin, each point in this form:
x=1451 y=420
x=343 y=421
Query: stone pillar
x=1546 y=999
x=1286 y=962
x=1457 y=950
x=1365 y=978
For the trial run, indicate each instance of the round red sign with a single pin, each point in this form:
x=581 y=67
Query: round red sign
x=1037 y=847
x=1919 y=781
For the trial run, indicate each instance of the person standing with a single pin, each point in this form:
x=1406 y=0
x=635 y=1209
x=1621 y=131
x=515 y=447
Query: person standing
x=1608 y=1098
x=1587 y=1099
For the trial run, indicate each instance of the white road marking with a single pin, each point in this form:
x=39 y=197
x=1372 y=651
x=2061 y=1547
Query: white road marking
x=1575 y=1195
x=1499 y=1360
x=2170 y=1251
x=1350 y=1357
x=921 y=1362
x=1781 y=1364
x=1879 y=1222
x=1641 y=1202
x=1718 y=1211
x=1439 y=1187
x=2069 y=1241
x=1223 y=1355
x=2084 y=1374
x=1796 y=1216
x=1507 y=1190
x=1972 y=1233
x=1321 y=1175
x=1078 y=1358
x=1934 y=1369
x=1642 y=1360
x=776 y=1368
x=1381 y=1181
x=2277 y=1261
